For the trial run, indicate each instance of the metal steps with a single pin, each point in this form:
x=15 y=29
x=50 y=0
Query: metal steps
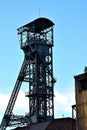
x=11 y=103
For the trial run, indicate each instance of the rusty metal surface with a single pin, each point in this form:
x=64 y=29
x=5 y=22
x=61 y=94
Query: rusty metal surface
x=62 y=124
x=81 y=101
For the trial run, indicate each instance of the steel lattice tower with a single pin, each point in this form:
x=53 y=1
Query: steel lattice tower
x=36 y=40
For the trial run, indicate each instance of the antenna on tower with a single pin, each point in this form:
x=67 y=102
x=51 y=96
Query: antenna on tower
x=39 y=13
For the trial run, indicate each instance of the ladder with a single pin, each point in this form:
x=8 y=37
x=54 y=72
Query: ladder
x=11 y=103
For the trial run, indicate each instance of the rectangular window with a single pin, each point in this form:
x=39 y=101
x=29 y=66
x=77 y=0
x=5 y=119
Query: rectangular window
x=83 y=84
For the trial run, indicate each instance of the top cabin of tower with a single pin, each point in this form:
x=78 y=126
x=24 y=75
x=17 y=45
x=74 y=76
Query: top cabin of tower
x=37 y=25
x=38 y=31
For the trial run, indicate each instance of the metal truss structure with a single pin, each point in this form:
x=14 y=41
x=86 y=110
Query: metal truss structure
x=36 y=40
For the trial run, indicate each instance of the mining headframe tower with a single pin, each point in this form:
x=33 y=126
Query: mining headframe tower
x=36 y=41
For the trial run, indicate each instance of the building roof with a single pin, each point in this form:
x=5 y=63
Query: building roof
x=36 y=126
x=83 y=75
x=62 y=124
x=56 y=124
x=38 y=25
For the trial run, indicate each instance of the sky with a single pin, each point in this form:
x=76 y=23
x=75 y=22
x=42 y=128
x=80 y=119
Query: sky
x=69 y=51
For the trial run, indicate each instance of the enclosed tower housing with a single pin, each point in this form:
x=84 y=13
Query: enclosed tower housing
x=36 y=40
x=81 y=101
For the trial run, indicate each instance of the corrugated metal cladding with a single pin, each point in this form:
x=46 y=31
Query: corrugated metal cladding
x=56 y=124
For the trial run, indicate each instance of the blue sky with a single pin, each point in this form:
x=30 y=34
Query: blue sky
x=70 y=44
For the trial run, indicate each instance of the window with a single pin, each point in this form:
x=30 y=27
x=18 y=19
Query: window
x=83 y=84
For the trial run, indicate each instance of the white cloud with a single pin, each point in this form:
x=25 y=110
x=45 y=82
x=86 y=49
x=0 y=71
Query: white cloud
x=21 y=105
x=3 y=101
x=62 y=101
